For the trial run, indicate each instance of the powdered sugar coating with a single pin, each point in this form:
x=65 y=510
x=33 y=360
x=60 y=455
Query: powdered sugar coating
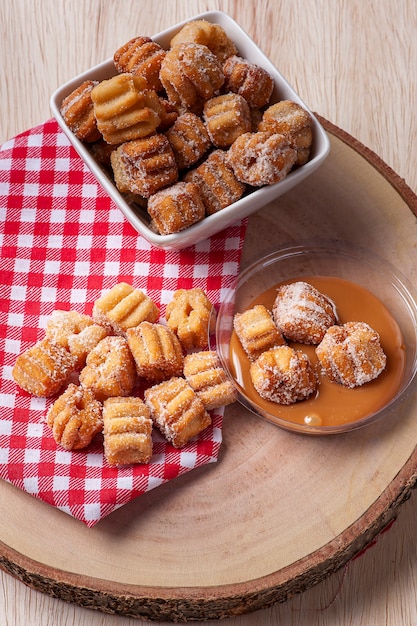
x=176 y=207
x=351 y=354
x=143 y=57
x=207 y=34
x=283 y=375
x=78 y=112
x=205 y=374
x=257 y=331
x=189 y=139
x=127 y=431
x=176 y=410
x=252 y=82
x=302 y=313
x=75 y=418
x=144 y=166
x=190 y=74
x=260 y=158
x=292 y=120
x=227 y=117
x=44 y=368
x=109 y=369
x=217 y=182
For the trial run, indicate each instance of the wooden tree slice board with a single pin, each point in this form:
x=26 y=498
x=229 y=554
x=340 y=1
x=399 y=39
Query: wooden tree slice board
x=279 y=511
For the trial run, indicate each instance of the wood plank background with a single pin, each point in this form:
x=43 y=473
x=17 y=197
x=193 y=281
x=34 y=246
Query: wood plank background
x=354 y=63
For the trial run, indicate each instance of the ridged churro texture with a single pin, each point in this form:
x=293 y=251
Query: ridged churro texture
x=123 y=307
x=189 y=139
x=302 y=313
x=177 y=411
x=283 y=375
x=292 y=120
x=109 y=369
x=144 y=166
x=156 y=350
x=77 y=109
x=43 y=369
x=351 y=354
x=205 y=374
x=219 y=187
x=207 y=34
x=127 y=431
x=176 y=207
x=191 y=315
x=261 y=158
x=256 y=331
x=125 y=109
x=227 y=117
x=143 y=57
x=75 y=418
x=251 y=81
x=191 y=74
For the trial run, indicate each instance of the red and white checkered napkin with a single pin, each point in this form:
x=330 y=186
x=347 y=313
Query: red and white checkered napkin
x=62 y=242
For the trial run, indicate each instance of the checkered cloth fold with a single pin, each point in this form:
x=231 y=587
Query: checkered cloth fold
x=62 y=243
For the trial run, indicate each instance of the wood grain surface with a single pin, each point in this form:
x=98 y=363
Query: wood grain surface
x=352 y=62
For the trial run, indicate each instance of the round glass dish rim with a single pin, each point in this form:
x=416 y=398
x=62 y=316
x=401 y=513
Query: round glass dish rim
x=356 y=254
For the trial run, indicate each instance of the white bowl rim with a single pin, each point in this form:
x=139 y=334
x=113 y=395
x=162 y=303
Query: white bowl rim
x=237 y=211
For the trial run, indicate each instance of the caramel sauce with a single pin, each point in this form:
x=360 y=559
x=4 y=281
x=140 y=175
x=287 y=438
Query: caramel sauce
x=334 y=404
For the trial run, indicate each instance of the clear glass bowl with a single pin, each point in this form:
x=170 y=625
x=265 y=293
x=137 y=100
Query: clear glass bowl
x=355 y=265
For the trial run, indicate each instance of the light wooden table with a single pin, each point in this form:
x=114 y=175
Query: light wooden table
x=351 y=61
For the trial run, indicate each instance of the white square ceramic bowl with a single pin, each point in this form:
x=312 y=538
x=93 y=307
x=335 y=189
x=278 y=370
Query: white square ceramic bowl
x=236 y=211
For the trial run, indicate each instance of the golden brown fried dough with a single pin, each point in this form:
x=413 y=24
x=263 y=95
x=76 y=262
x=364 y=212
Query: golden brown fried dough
x=123 y=307
x=81 y=344
x=302 y=313
x=190 y=74
x=168 y=114
x=204 y=373
x=109 y=369
x=207 y=34
x=257 y=331
x=177 y=411
x=351 y=354
x=63 y=324
x=283 y=375
x=259 y=159
x=156 y=350
x=77 y=109
x=177 y=207
x=143 y=57
x=75 y=332
x=189 y=140
x=144 y=166
x=75 y=418
x=125 y=109
x=127 y=430
x=44 y=368
x=191 y=315
x=227 y=117
x=218 y=185
x=290 y=119
x=249 y=80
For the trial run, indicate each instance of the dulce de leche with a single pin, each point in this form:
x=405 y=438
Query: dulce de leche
x=333 y=405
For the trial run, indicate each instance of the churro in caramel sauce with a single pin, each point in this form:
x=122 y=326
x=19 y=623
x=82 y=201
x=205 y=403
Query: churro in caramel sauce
x=333 y=404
